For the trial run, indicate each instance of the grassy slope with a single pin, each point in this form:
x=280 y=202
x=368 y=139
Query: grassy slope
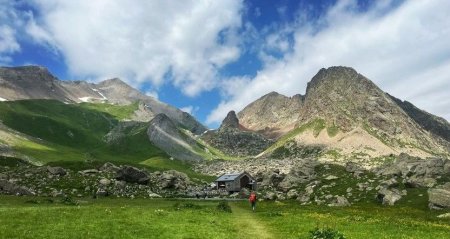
x=156 y=218
x=71 y=135
x=316 y=125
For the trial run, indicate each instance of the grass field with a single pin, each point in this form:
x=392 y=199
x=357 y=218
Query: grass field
x=162 y=218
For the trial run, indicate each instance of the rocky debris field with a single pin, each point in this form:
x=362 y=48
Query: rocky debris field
x=107 y=180
x=406 y=179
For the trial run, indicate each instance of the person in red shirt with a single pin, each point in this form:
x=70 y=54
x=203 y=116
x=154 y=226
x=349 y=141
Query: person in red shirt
x=252 y=200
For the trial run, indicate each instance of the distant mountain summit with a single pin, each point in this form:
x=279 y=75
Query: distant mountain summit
x=36 y=82
x=349 y=113
x=272 y=114
x=235 y=140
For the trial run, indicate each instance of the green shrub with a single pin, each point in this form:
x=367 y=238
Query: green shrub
x=70 y=201
x=188 y=205
x=325 y=233
x=224 y=207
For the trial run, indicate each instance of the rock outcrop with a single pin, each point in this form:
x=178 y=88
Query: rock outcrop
x=272 y=114
x=233 y=139
x=132 y=175
x=163 y=133
x=439 y=197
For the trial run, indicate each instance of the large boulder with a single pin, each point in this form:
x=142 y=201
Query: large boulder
x=57 y=171
x=132 y=175
x=416 y=182
x=172 y=179
x=270 y=196
x=339 y=201
x=439 y=197
x=14 y=189
x=389 y=196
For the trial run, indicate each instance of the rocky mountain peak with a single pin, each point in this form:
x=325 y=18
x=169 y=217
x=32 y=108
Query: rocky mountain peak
x=337 y=77
x=272 y=114
x=27 y=73
x=231 y=121
x=113 y=81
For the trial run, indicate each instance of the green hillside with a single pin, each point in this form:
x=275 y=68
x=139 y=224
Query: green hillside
x=72 y=135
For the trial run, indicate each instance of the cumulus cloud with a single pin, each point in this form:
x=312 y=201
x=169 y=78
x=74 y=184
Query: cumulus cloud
x=9 y=20
x=143 y=41
x=153 y=94
x=404 y=50
x=190 y=109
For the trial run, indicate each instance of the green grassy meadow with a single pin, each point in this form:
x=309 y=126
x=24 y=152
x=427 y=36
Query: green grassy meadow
x=24 y=217
x=72 y=136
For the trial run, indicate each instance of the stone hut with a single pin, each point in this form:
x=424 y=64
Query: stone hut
x=235 y=182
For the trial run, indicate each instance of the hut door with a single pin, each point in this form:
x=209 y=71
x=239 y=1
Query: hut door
x=245 y=182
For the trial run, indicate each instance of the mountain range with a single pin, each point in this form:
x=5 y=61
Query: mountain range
x=342 y=116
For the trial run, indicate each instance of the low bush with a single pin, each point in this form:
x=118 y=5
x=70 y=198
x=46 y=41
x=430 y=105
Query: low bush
x=224 y=207
x=325 y=233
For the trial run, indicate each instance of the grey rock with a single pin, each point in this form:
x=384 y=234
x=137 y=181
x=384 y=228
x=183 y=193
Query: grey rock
x=292 y=194
x=120 y=184
x=132 y=175
x=109 y=167
x=270 y=196
x=104 y=182
x=101 y=192
x=331 y=177
x=447 y=167
x=392 y=182
x=340 y=201
x=89 y=171
x=416 y=182
x=439 y=197
x=173 y=179
x=389 y=196
x=304 y=198
x=14 y=189
x=57 y=171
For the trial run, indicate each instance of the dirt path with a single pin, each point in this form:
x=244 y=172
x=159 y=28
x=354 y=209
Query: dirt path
x=248 y=224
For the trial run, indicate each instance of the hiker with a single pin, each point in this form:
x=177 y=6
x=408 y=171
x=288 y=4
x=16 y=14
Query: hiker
x=252 y=200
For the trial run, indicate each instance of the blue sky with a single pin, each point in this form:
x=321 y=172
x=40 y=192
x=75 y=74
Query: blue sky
x=209 y=57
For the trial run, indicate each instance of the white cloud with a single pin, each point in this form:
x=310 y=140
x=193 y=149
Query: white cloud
x=190 y=109
x=405 y=51
x=8 y=34
x=153 y=94
x=143 y=40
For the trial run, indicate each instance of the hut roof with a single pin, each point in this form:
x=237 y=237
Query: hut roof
x=229 y=177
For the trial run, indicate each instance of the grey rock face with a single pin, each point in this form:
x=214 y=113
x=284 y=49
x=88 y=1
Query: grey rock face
x=29 y=82
x=132 y=175
x=163 y=133
x=230 y=122
x=233 y=140
x=271 y=114
x=439 y=197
